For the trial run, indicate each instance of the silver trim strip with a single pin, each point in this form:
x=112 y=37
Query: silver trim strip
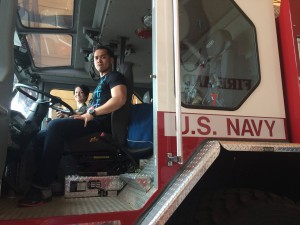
x=176 y=193
x=248 y=146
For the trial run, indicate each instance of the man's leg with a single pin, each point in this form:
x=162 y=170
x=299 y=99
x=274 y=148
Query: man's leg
x=38 y=144
x=58 y=132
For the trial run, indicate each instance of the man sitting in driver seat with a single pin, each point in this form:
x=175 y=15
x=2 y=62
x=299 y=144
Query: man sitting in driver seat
x=109 y=96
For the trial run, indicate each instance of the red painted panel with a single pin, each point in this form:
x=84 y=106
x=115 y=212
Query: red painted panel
x=288 y=24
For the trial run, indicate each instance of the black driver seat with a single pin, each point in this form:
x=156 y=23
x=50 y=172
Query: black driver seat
x=108 y=152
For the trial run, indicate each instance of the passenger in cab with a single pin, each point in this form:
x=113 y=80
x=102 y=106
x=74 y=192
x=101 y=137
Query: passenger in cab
x=109 y=95
x=81 y=94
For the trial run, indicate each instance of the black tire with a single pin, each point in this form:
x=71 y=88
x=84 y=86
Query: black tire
x=238 y=207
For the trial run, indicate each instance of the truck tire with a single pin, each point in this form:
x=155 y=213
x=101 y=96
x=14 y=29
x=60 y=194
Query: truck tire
x=238 y=207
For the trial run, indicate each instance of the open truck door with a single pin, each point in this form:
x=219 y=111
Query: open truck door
x=7 y=13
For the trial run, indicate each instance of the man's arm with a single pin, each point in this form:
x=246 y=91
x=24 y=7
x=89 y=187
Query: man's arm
x=117 y=100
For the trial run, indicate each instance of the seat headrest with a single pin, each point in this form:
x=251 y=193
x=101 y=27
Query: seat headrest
x=126 y=69
x=217 y=43
x=120 y=117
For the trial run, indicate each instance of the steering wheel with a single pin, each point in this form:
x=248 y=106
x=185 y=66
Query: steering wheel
x=54 y=101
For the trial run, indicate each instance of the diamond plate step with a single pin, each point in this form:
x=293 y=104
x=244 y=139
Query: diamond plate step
x=142 y=182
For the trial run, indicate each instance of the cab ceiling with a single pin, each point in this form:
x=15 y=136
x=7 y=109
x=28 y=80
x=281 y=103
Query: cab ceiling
x=116 y=19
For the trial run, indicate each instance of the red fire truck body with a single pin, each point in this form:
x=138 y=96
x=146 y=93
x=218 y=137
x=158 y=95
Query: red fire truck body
x=226 y=112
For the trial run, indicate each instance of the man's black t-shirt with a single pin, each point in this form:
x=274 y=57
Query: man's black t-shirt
x=102 y=92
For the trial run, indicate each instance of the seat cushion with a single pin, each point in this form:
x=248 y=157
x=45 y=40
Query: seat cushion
x=140 y=129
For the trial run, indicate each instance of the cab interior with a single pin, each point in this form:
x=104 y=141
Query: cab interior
x=53 y=44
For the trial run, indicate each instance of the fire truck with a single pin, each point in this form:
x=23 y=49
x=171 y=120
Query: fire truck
x=219 y=79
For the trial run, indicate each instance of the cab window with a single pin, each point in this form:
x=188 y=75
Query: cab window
x=46 y=13
x=48 y=49
x=218 y=54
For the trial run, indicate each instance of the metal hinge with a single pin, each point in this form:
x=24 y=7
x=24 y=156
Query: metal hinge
x=152 y=76
x=173 y=159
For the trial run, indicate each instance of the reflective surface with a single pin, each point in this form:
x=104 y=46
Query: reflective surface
x=219 y=59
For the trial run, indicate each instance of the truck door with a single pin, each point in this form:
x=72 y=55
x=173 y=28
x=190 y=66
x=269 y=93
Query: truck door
x=7 y=14
x=223 y=75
